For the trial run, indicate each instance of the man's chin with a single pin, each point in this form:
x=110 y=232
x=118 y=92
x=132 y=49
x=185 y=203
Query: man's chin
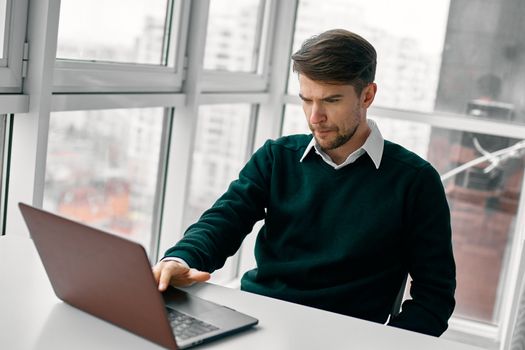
x=324 y=144
x=328 y=144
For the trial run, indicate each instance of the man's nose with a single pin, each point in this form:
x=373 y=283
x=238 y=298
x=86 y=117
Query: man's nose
x=317 y=114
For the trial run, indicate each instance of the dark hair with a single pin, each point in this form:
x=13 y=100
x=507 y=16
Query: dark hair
x=337 y=56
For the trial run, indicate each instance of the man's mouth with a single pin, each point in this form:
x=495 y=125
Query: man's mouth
x=323 y=131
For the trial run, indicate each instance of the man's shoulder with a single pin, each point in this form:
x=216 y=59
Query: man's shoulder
x=398 y=155
x=297 y=142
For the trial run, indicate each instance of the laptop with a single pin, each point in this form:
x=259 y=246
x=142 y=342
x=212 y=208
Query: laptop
x=110 y=277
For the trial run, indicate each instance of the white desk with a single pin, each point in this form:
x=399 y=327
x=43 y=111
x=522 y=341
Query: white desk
x=32 y=317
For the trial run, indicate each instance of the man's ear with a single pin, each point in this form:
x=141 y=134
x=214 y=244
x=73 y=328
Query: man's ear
x=368 y=94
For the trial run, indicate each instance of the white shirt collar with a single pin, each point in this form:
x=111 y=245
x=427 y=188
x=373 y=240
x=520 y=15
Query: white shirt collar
x=373 y=146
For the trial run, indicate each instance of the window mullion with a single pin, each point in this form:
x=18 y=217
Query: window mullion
x=30 y=132
x=183 y=130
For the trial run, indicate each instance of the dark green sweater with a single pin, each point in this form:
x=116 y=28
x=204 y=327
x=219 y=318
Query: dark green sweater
x=340 y=240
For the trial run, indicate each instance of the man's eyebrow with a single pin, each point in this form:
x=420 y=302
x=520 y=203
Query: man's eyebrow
x=330 y=97
x=302 y=97
x=333 y=96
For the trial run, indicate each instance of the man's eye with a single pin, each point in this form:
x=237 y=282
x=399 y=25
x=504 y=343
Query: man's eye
x=332 y=100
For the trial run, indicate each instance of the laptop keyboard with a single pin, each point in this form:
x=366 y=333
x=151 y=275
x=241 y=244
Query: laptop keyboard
x=185 y=327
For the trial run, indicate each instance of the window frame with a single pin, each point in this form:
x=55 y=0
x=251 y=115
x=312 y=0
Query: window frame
x=11 y=66
x=81 y=76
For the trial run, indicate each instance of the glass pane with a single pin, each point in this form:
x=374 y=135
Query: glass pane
x=130 y=31
x=102 y=168
x=414 y=136
x=221 y=146
x=294 y=121
x=220 y=151
x=436 y=55
x=483 y=69
x=228 y=47
x=3 y=32
x=483 y=198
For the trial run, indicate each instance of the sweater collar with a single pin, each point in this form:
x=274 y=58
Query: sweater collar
x=373 y=146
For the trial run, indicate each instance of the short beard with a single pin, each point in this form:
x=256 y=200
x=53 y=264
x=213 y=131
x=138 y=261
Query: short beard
x=340 y=140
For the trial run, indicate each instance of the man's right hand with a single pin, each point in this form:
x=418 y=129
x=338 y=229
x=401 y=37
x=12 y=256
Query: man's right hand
x=176 y=274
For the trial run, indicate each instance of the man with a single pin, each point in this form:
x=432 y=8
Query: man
x=347 y=215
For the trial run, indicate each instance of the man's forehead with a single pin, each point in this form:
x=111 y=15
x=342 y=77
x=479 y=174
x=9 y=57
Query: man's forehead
x=319 y=89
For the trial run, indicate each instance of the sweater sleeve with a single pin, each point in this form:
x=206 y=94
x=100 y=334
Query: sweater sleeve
x=220 y=231
x=429 y=257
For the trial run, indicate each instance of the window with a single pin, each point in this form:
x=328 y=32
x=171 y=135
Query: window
x=482 y=67
x=238 y=60
x=115 y=31
x=103 y=167
x=126 y=51
x=221 y=149
x=227 y=47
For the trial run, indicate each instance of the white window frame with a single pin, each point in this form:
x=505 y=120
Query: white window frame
x=11 y=66
x=72 y=76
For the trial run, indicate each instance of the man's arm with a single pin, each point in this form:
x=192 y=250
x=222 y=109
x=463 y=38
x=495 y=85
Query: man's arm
x=429 y=257
x=221 y=229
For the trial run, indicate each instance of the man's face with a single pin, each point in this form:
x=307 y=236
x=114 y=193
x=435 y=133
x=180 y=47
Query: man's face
x=334 y=112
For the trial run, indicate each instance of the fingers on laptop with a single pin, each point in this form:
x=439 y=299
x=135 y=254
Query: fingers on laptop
x=176 y=274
